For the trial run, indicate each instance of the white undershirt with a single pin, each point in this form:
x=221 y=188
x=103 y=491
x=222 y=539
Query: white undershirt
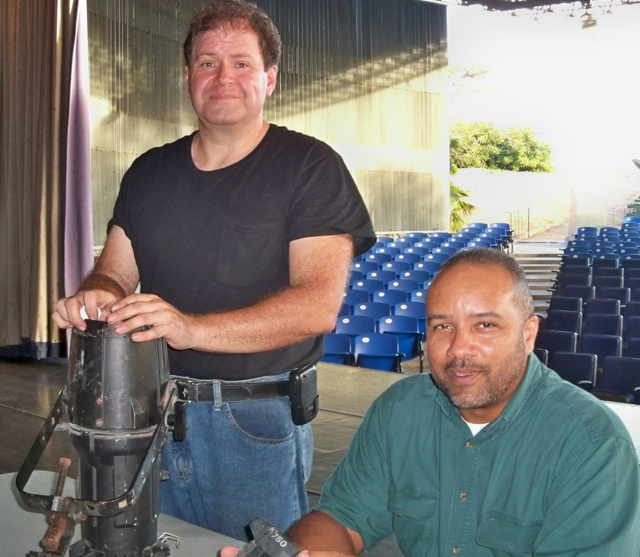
x=475 y=428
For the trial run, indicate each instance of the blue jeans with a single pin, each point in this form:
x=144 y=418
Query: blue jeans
x=239 y=461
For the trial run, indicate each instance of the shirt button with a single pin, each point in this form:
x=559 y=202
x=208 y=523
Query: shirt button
x=456 y=550
x=469 y=445
x=463 y=497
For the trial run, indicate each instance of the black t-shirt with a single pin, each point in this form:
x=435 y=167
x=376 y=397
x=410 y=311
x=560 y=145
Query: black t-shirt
x=208 y=241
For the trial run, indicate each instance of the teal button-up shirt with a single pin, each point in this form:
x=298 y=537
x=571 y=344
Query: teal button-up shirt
x=556 y=474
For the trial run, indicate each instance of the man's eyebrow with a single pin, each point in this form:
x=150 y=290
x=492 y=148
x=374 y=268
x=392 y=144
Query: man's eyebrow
x=480 y=315
x=436 y=317
x=236 y=55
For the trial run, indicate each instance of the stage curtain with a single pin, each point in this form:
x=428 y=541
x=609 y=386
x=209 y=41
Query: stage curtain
x=45 y=239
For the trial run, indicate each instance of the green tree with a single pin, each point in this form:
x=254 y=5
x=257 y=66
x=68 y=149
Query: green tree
x=460 y=209
x=482 y=145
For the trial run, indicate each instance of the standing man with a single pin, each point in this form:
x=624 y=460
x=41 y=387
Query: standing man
x=490 y=454
x=240 y=236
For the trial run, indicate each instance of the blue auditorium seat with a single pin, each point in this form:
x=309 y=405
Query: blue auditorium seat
x=565 y=303
x=576 y=367
x=555 y=341
x=603 y=324
x=391 y=297
x=562 y=320
x=620 y=380
x=601 y=345
x=606 y=305
x=407 y=331
x=378 y=351
x=337 y=349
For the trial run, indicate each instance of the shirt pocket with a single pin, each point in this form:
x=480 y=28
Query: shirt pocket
x=506 y=535
x=251 y=253
x=414 y=511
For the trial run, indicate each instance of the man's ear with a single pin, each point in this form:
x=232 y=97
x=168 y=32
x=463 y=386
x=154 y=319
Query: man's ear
x=530 y=332
x=272 y=78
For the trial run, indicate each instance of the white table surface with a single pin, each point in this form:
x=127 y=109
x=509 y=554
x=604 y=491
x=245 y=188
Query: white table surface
x=21 y=529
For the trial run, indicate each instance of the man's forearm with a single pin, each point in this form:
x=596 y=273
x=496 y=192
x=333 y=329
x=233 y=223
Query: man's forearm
x=320 y=531
x=288 y=317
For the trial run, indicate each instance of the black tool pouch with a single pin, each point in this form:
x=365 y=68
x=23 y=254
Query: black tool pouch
x=303 y=394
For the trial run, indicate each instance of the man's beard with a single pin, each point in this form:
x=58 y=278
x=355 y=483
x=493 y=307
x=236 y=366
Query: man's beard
x=496 y=384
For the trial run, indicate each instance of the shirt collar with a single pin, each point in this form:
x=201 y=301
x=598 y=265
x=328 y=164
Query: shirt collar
x=529 y=381
x=531 y=377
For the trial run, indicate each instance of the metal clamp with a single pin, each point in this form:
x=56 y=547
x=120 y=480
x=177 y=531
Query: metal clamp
x=162 y=538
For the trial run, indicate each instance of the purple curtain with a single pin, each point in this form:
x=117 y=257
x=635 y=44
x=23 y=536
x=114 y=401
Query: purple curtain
x=78 y=226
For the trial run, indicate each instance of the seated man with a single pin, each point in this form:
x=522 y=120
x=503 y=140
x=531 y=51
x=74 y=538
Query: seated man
x=490 y=454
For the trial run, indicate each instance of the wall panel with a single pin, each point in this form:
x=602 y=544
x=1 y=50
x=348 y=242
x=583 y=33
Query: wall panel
x=366 y=76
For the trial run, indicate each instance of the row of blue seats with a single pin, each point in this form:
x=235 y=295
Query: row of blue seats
x=605 y=240
x=410 y=281
x=616 y=379
x=595 y=305
x=620 y=249
x=622 y=294
x=628 y=224
x=494 y=234
x=627 y=261
x=429 y=260
x=473 y=227
x=602 y=267
x=375 y=317
x=398 y=263
x=605 y=237
x=601 y=345
x=592 y=323
x=372 y=350
x=450 y=246
x=611 y=237
x=426 y=251
x=354 y=299
x=406 y=260
x=598 y=280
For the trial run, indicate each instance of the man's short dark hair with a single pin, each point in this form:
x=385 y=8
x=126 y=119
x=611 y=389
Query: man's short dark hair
x=236 y=14
x=484 y=256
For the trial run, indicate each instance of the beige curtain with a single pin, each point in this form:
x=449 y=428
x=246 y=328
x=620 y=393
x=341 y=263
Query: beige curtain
x=36 y=53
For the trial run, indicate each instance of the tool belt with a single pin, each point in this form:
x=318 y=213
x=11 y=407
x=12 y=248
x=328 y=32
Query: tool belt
x=301 y=388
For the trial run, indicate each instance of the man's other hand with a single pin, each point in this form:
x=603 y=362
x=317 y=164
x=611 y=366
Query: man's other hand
x=165 y=321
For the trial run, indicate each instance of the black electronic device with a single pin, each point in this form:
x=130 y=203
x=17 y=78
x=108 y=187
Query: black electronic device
x=303 y=394
x=268 y=541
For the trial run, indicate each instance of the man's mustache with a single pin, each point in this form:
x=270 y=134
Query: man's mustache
x=466 y=365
